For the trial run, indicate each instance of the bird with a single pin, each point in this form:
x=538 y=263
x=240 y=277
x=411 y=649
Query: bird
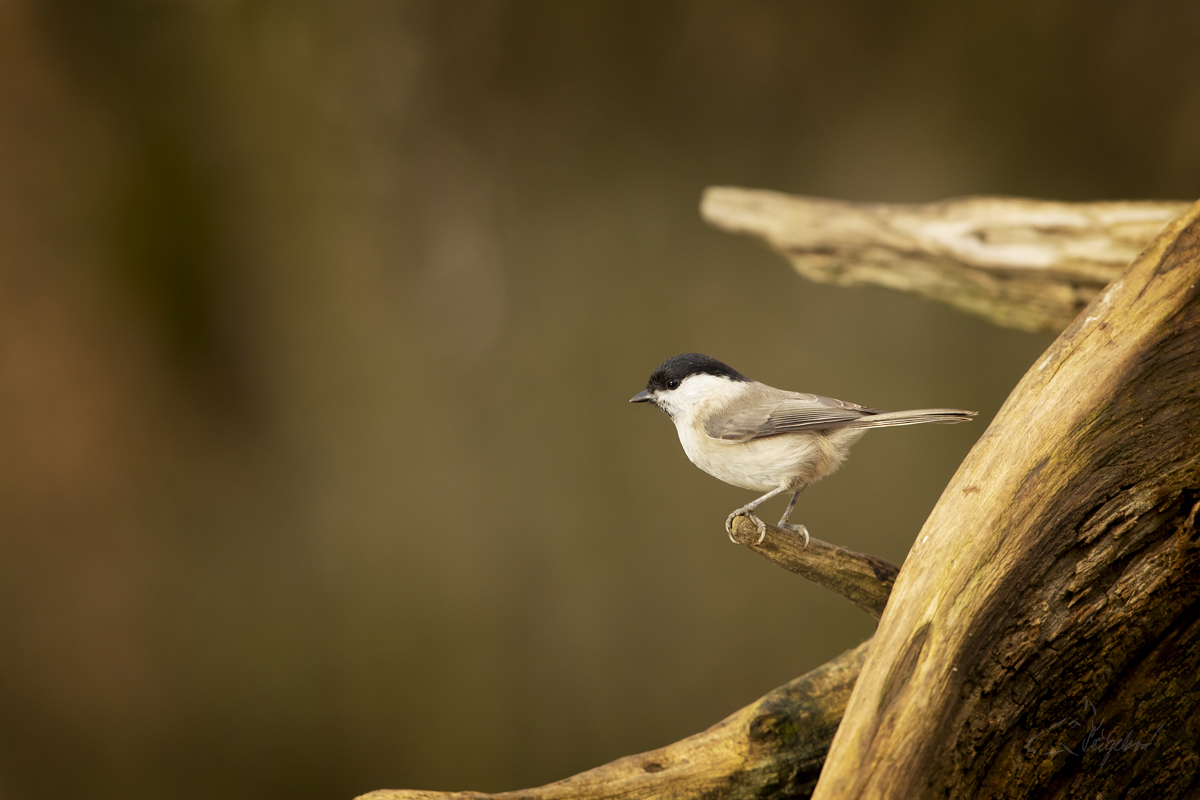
x=757 y=437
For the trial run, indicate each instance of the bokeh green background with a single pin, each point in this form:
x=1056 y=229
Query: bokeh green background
x=318 y=322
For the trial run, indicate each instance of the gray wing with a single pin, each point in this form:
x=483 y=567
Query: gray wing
x=764 y=411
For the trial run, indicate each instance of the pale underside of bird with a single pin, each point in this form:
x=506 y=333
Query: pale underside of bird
x=757 y=437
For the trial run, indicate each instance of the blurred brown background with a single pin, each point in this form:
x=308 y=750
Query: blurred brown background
x=318 y=322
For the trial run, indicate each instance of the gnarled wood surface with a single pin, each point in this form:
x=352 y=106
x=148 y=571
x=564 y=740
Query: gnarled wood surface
x=773 y=748
x=1043 y=638
x=1027 y=264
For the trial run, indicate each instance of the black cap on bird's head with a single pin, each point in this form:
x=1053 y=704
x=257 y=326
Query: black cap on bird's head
x=672 y=372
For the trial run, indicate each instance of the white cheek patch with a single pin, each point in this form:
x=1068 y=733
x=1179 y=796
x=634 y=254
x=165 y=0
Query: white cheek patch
x=695 y=394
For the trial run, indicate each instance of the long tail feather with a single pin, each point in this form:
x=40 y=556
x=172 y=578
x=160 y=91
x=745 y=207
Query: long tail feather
x=942 y=416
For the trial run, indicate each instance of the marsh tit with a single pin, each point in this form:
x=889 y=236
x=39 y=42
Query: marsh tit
x=758 y=437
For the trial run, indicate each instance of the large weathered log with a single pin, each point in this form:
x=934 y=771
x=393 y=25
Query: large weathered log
x=1043 y=638
x=772 y=748
x=1028 y=264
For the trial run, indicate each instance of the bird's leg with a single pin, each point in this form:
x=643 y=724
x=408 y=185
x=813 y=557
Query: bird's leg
x=783 y=523
x=748 y=510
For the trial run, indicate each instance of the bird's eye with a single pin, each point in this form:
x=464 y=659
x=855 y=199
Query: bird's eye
x=673 y=383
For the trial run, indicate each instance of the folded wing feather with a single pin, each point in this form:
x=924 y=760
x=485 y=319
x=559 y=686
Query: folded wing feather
x=764 y=411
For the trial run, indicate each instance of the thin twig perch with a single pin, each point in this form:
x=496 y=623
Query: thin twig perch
x=862 y=579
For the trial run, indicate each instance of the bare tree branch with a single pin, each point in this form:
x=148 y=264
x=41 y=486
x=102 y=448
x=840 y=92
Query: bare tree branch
x=773 y=748
x=1028 y=264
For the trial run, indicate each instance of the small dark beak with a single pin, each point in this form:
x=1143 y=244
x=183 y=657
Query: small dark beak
x=641 y=397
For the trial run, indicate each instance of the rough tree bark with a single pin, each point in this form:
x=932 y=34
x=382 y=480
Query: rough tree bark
x=1027 y=264
x=1043 y=638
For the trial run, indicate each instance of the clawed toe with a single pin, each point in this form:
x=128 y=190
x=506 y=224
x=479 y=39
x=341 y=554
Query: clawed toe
x=797 y=529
